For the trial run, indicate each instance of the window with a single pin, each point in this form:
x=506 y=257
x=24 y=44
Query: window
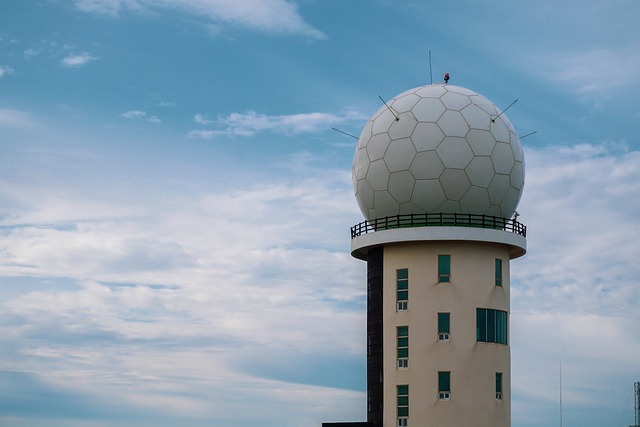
x=444 y=322
x=444 y=385
x=403 y=346
x=444 y=268
x=498 y=385
x=491 y=325
x=403 y=405
x=402 y=289
x=498 y=272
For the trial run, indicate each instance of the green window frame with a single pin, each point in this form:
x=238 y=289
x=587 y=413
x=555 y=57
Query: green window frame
x=444 y=326
x=444 y=268
x=403 y=401
x=498 y=268
x=444 y=322
x=402 y=289
x=444 y=385
x=492 y=326
x=402 y=336
x=444 y=381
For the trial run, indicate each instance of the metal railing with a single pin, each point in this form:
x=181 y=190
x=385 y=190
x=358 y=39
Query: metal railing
x=438 y=220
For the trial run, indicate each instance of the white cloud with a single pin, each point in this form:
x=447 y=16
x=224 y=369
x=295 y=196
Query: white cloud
x=252 y=123
x=31 y=52
x=202 y=120
x=137 y=114
x=278 y=16
x=77 y=60
x=5 y=70
x=266 y=270
x=582 y=207
x=16 y=119
x=597 y=352
x=591 y=71
x=213 y=274
x=202 y=134
x=133 y=114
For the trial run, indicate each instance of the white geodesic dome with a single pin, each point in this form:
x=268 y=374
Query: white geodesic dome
x=438 y=148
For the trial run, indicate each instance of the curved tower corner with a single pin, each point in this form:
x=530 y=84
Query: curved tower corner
x=438 y=182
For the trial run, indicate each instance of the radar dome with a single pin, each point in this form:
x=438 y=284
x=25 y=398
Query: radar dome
x=438 y=148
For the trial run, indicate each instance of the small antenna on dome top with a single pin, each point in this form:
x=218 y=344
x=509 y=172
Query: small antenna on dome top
x=389 y=108
x=502 y=112
x=430 y=69
x=348 y=134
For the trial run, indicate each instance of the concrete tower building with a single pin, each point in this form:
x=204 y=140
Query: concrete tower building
x=438 y=173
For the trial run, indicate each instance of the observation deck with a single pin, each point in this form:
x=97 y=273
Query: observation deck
x=438 y=227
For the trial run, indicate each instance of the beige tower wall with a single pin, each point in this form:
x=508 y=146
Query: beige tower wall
x=473 y=365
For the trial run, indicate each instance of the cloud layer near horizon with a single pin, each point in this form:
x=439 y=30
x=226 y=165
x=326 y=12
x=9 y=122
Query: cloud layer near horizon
x=216 y=279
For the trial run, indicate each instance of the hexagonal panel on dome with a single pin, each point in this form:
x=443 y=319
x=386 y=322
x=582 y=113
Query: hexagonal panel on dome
x=384 y=202
x=455 y=101
x=512 y=198
x=462 y=90
x=454 y=152
x=428 y=194
x=481 y=142
x=476 y=196
x=427 y=136
x=377 y=146
x=400 y=155
x=476 y=117
x=500 y=185
x=378 y=175
x=382 y=121
x=401 y=186
x=485 y=104
x=408 y=208
x=360 y=165
x=480 y=171
x=500 y=130
x=431 y=91
x=455 y=184
x=516 y=177
x=516 y=147
x=426 y=165
x=453 y=124
x=502 y=157
x=428 y=110
x=405 y=103
x=402 y=128
x=365 y=194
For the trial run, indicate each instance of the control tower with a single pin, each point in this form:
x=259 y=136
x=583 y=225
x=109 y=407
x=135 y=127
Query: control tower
x=438 y=174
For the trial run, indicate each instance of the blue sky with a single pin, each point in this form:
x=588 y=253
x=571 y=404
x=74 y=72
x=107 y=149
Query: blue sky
x=175 y=208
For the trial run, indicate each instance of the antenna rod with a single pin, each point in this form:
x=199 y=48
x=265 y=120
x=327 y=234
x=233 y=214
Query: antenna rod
x=430 y=70
x=529 y=134
x=502 y=112
x=348 y=134
x=560 y=392
x=389 y=108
